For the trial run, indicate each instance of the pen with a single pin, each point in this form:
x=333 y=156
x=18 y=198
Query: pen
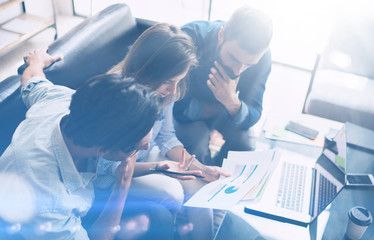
x=189 y=165
x=176 y=173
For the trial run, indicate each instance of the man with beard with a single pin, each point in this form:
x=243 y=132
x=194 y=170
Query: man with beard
x=226 y=89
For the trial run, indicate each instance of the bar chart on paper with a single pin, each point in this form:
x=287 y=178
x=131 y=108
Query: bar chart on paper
x=247 y=172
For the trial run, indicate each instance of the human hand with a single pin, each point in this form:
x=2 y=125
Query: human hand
x=212 y=173
x=173 y=166
x=224 y=88
x=182 y=167
x=41 y=58
x=125 y=170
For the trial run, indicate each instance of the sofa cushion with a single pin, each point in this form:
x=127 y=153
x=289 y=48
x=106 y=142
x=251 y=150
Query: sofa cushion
x=342 y=97
x=92 y=47
x=9 y=86
x=12 y=112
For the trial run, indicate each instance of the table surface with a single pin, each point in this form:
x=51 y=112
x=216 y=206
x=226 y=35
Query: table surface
x=331 y=224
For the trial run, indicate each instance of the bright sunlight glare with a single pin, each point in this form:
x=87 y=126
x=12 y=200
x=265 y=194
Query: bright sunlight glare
x=16 y=199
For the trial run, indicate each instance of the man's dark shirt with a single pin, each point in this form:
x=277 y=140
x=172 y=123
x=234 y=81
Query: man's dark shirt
x=251 y=85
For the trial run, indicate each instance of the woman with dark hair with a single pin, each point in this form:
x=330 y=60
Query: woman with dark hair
x=156 y=63
x=161 y=59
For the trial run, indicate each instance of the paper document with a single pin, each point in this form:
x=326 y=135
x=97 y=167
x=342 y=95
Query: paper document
x=249 y=173
x=274 y=128
x=279 y=133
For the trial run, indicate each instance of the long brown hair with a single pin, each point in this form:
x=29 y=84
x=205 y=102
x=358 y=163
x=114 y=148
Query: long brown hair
x=160 y=53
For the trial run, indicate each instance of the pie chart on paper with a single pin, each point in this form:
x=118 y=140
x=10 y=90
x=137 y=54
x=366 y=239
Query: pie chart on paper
x=231 y=189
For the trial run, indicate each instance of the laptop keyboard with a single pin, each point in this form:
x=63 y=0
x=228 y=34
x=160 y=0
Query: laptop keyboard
x=327 y=190
x=291 y=188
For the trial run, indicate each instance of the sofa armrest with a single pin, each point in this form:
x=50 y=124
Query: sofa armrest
x=9 y=86
x=144 y=24
x=92 y=47
x=12 y=109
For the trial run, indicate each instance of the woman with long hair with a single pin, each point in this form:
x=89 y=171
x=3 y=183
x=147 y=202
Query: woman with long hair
x=161 y=59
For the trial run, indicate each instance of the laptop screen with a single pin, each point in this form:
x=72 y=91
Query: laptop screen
x=329 y=173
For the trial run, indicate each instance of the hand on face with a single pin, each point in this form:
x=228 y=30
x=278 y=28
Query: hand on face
x=125 y=170
x=41 y=57
x=222 y=86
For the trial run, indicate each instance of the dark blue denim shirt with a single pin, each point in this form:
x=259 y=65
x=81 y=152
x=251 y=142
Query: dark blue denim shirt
x=251 y=85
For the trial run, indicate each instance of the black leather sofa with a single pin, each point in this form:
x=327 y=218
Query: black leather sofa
x=91 y=48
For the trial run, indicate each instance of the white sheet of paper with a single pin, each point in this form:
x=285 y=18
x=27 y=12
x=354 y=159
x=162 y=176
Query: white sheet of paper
x=21 y=26
x=247 y=169
x=7 y=38
x=274 y=128
x=256 y=191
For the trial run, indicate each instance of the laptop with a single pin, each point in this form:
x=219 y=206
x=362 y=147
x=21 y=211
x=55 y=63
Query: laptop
x=302 y=187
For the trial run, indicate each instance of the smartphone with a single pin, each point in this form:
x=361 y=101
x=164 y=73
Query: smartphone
x=179 y=173
x=356 y=179
x=301 y=130
x=176 y=173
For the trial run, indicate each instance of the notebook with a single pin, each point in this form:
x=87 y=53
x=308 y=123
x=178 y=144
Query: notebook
x=301 y=187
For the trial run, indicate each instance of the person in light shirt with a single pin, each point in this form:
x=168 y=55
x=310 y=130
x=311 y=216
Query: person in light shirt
x=55 y=150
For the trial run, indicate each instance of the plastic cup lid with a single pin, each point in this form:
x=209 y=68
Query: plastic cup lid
x=360 y=216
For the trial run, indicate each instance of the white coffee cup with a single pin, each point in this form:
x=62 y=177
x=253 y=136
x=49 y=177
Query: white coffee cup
x=359 y=219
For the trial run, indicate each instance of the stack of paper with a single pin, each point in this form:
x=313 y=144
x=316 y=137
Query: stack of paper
x=277 y=131
x=269 y=164
x=274 y=128
x=249 y=171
